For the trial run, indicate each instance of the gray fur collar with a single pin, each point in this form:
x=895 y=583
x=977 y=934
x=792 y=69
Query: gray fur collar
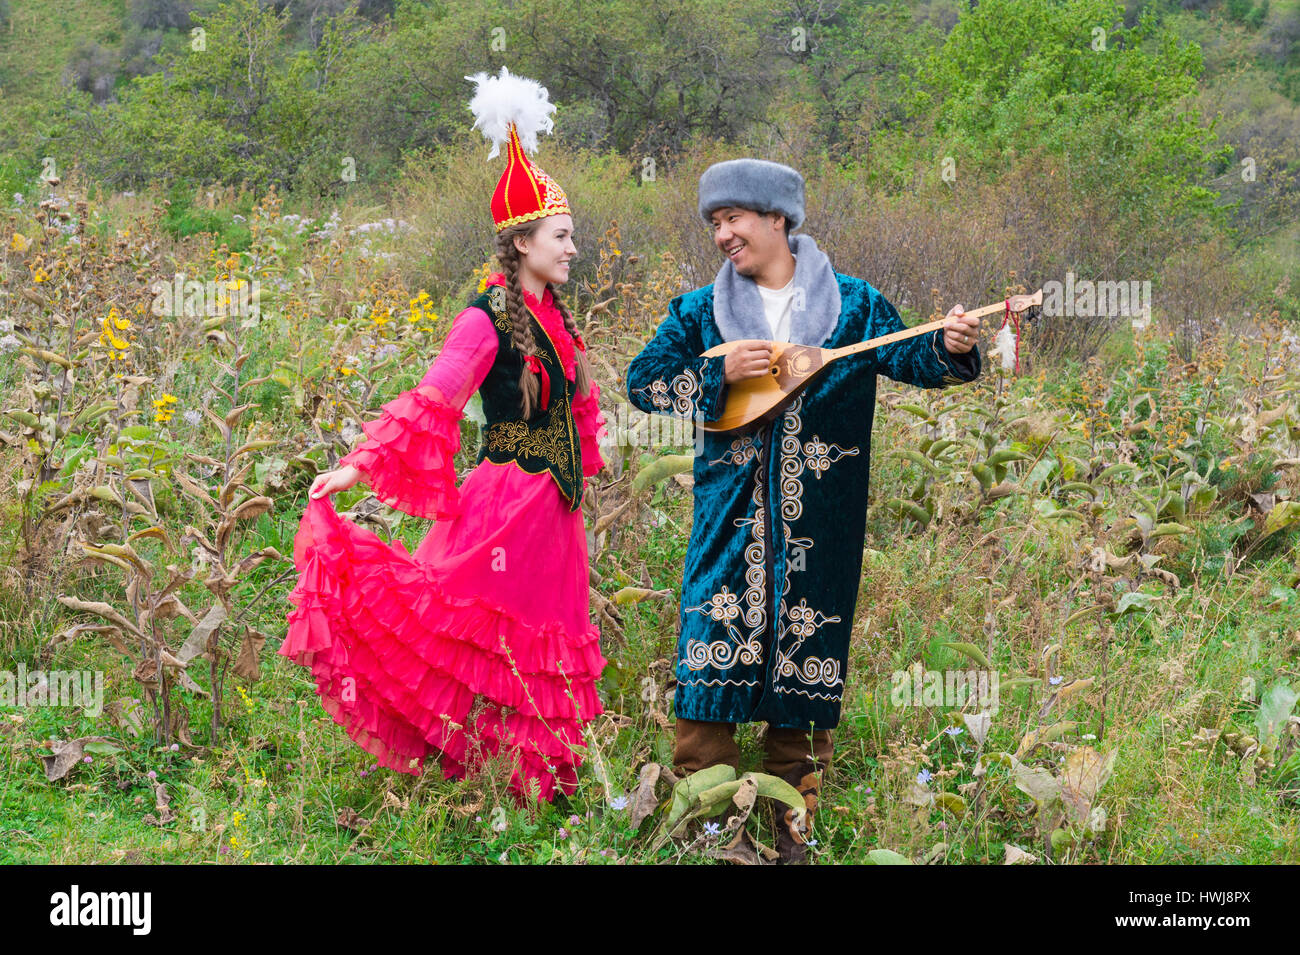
x=738 y=308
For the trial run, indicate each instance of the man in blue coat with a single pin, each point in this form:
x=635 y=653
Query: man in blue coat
x=775 y=554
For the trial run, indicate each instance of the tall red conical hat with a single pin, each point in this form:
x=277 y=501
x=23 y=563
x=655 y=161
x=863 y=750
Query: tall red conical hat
x=513 y=110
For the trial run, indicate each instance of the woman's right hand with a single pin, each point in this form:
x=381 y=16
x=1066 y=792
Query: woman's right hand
x=340 y=479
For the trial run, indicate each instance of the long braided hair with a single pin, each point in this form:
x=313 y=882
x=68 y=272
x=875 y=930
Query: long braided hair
x=521 y=335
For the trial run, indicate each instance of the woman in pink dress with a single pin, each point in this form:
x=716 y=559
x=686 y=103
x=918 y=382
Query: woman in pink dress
x=480 y=643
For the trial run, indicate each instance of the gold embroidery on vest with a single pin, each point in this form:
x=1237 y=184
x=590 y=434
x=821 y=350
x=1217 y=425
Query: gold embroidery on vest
x=556 y=443
x=497 y=299
x=553 y=443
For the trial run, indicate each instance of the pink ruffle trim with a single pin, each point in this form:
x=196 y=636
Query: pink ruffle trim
x=398 y=663
x=408 y=461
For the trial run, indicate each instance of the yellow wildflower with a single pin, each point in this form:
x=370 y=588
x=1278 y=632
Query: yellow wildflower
x=20 y=243
x=163 y=408
x=107 y=336
x=40 y=275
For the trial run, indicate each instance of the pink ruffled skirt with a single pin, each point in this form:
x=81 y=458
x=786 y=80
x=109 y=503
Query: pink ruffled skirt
x=477 y=645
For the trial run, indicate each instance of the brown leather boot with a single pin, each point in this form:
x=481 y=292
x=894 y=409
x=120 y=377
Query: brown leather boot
x=700 y=744
x=791 y=837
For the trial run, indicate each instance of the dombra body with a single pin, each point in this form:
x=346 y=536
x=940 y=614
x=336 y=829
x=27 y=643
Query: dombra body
x=793 y=367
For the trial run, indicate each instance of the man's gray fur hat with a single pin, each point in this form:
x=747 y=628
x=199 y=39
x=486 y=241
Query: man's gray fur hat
x=753 y=184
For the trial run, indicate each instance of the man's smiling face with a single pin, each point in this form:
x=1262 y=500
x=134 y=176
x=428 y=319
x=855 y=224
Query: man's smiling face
x=750 y=240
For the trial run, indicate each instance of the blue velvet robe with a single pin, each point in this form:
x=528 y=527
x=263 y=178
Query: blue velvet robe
x=775 y=554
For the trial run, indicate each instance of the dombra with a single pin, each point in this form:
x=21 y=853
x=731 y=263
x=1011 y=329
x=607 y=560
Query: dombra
x=793 y=367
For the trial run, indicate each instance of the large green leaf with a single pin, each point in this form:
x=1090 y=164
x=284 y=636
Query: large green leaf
x=709 y=792
x=714 y=800
x=661 y=469
x=1283 y=514
x=1040 y=472
x=1275 y=708
x=887 y=857
x=777 y=788
x=919 y=459
x=970 y=650
x=686 y=794
x=1086 y=771
x=1137 y=600
x=905 y=509
x=1036 y=782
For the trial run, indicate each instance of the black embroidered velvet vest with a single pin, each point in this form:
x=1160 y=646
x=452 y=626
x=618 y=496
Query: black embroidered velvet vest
x=548 y=441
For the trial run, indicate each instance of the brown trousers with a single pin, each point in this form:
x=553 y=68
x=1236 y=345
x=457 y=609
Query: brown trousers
x=700 y=744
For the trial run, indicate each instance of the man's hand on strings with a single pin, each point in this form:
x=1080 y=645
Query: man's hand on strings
x=961 y=333
x=749 y=360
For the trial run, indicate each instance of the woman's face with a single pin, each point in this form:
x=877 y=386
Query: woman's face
x=547 y=252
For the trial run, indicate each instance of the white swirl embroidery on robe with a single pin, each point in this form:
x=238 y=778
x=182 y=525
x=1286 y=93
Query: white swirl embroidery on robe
x=680 y=395
x=817 y=456
x=814 y=671
x=742 y=451
x=724 y=607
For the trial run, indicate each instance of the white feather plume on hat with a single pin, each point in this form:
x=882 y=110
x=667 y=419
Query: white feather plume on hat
x=501 y=100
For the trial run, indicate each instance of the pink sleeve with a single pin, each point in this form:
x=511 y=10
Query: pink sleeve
x=408 y=459
x=590 y=421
